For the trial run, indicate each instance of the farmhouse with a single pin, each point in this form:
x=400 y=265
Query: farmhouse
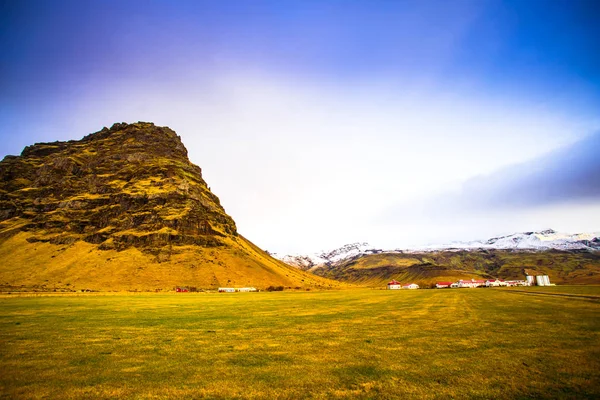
x=410 y=286
x=441 y=285
x=247 y=289
x=226 y=290
x=471 y=284
x=393 y=285
x=495 y=282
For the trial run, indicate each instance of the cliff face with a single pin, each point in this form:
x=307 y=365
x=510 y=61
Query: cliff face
x=130 y=185
x=127 y=193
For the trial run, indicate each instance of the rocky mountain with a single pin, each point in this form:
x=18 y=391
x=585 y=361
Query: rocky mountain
x=123 y=209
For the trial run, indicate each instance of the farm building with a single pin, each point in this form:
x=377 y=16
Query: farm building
x=410 y=286
x=495 y=282
x=393 y=285
x=226 y=290
x=181 y=289
x=441 y=285
x=538 y=280
x=247 y=289
x=473 y=283
x=542 y=280
x=517 y=283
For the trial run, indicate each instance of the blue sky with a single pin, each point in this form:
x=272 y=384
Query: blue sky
x=323 y=122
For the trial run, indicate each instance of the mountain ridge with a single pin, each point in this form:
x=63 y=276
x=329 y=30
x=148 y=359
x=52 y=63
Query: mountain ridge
x=527 y=241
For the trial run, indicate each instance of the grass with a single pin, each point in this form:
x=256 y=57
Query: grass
x=480 y=343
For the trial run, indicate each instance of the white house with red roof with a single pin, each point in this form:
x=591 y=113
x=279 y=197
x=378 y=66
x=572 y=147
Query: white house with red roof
x=410 y=286
x=394 y=284
x=441 y=285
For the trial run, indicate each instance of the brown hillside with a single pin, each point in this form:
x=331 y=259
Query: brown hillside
x=123 y=209
x=563 y=267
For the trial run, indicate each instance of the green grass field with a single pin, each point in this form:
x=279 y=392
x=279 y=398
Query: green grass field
x=462 y=343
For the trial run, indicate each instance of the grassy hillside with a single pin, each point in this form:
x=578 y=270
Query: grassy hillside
x=427 y=268
x=47 y=267
x=358 y=344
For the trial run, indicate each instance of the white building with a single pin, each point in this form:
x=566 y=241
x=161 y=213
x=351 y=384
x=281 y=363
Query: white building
x=247 y=289
x=540 y=281
x=410 y=286
x=226 y=290
x=441 y=285
x=471 y=284
x=394 y=285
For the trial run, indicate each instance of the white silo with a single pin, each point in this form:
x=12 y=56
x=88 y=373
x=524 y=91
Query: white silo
x=530 y=280
x=539 y=280
x=546 y=280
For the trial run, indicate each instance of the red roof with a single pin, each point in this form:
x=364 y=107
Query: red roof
x=393 y=282
x=444 y=283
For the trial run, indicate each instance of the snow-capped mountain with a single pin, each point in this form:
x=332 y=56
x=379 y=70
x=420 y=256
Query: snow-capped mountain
x=543 y=240
x=332 y=257
x=528 y=241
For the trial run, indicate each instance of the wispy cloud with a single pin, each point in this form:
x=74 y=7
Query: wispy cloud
x=567 y=175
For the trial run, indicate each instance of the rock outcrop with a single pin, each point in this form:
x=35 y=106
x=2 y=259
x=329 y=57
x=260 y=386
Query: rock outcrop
x=130 y=185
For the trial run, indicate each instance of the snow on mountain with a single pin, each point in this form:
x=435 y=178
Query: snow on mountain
x=332 y=257
x=543 y=240
x=532 y=241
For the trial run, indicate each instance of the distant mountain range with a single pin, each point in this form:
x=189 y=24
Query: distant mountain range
x=543 y=240
x=527 y=241
x=566 y=258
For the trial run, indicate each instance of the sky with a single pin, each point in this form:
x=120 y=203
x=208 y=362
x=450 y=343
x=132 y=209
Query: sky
x=321 y=123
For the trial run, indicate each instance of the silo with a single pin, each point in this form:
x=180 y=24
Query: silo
x=539 y=279
x=546 y=280
x=530 y=280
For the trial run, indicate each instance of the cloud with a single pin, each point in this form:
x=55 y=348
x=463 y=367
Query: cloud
x=567 y=175
x=559 y=189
